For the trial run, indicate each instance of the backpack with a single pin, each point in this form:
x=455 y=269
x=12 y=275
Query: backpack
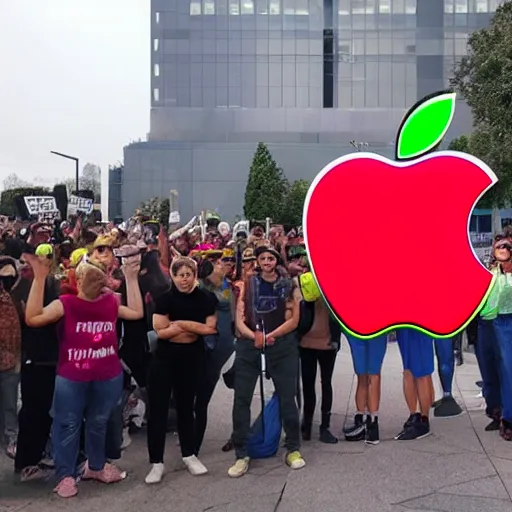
x=266 y=431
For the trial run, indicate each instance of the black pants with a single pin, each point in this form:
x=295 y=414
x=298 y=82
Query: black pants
x=310 y=359
x=283 y=364
x=215 y=361
x=176 y=370
x=37 y=386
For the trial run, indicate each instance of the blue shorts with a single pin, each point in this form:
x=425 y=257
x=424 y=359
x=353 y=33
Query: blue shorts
x=417 y=351
x=367 y=355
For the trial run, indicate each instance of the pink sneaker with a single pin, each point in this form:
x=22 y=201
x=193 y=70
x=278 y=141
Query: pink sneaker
x=66 y=488
x=110 y=474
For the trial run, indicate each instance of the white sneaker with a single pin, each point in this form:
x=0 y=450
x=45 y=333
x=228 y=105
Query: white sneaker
x=156 y=474
x=239 y=468
x=127 y=440
x=194 y=465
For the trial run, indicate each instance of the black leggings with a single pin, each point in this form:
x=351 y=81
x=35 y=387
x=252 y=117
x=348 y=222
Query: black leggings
x=309 y=359
x=178 y=369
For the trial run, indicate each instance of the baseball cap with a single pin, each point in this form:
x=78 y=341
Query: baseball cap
x=248 y=255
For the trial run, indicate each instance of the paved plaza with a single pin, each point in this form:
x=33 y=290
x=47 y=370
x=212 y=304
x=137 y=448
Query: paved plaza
x=458 y=468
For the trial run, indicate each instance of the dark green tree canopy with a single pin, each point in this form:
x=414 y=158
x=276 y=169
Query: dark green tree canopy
x=484 y=79
x=292 y=214
x=266 y=189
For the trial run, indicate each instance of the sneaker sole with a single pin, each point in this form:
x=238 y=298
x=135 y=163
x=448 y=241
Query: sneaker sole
x=372 y=443
x=448 y=417
x=415 y=439
x=239 y=475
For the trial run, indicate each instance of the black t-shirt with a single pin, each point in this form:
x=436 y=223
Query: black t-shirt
x=39 y=345
x=195 y=307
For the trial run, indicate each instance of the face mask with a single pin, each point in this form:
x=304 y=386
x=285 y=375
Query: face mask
x=7 y=282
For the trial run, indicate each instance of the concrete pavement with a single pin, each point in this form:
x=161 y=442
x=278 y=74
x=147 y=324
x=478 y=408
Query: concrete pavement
x=458 y=468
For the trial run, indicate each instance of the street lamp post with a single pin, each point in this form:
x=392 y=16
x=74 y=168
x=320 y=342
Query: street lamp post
x=77 y=167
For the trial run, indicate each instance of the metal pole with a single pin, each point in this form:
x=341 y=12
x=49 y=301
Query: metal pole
x=77 y=166
x=77 y=175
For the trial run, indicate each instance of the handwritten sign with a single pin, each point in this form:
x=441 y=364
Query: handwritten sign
x=79 y=205
x=48 y=217
x=37 y=205
x=174 y=217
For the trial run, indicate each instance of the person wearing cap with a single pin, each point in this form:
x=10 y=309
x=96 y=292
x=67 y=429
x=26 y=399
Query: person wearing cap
x=267 y=314
x=494 y=347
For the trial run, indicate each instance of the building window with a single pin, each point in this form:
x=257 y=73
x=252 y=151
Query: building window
x=448 y=6
x=370 y=7
x=156 y=94
x=494 y=4
x=247 y=7
x=275 y=7
x=262 y=6
x=157 y=17
x=358 y=7
x=157 y=70
x=234 y=7
x=155 y=44
x=410 y=6
x=208 y=7
x=301 y=8
x=461 y=6
x=195 y=8
x=482 y=6
x=384 y=6
x=398 y=6
x=344 y=7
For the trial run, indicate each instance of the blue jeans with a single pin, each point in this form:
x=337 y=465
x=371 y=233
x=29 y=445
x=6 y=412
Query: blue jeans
x=488 y=358
x=72 y=402
x=445 y=362
x=503 y=333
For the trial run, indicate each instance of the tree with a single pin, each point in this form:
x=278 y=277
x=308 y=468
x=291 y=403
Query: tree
x=157 y=209
x=266 y=189
x=8 y=198
x=89 y=179
x=484 y=79
x=295 y=200
x=13 y=181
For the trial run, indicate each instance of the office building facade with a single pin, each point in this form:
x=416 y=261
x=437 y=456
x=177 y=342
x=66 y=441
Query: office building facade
x=304 y=76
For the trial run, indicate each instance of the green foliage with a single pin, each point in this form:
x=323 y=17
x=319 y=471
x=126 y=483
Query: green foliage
x=484 y=79
x=157 y=209
x=295 y=199
x=267 y=188
x=8 y=198
x=459 y=144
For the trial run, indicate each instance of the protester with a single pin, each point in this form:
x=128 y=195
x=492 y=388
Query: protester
x=10 y=348
x=89 y=374
x=267 y=312
x=183 y=317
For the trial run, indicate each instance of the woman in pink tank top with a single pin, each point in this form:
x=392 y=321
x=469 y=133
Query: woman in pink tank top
x=89 y=374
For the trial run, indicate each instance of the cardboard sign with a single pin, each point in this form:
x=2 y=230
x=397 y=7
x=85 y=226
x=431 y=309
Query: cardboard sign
x=48 y=217
x=174 y=217
x=79 y=205
x=40 y=204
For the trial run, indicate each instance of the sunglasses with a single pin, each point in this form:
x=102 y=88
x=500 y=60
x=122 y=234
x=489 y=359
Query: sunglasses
x=508 y=247
x=103 y=249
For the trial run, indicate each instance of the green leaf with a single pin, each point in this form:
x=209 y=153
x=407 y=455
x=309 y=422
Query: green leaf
x=425 y=125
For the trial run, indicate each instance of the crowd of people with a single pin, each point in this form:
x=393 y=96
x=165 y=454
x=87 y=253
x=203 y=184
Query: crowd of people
x=95 y=320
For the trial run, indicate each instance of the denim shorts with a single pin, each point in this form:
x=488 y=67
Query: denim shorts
x=417 y=351
x=367 y=355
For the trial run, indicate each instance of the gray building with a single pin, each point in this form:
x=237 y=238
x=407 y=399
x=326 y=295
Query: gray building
x=304 y=76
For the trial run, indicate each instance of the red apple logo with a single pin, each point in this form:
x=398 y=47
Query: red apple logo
x=388 y=241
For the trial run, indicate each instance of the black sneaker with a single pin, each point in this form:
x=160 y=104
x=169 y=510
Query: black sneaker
x=416 y=430
x=372 y=431
x=357 y=432
x=447 y=408
x=412 y=419
x=358 y=421
x=493 y=426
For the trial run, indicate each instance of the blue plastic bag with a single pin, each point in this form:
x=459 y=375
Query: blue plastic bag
x=266 y=431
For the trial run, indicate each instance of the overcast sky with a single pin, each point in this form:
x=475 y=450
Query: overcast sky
x=75 y=79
